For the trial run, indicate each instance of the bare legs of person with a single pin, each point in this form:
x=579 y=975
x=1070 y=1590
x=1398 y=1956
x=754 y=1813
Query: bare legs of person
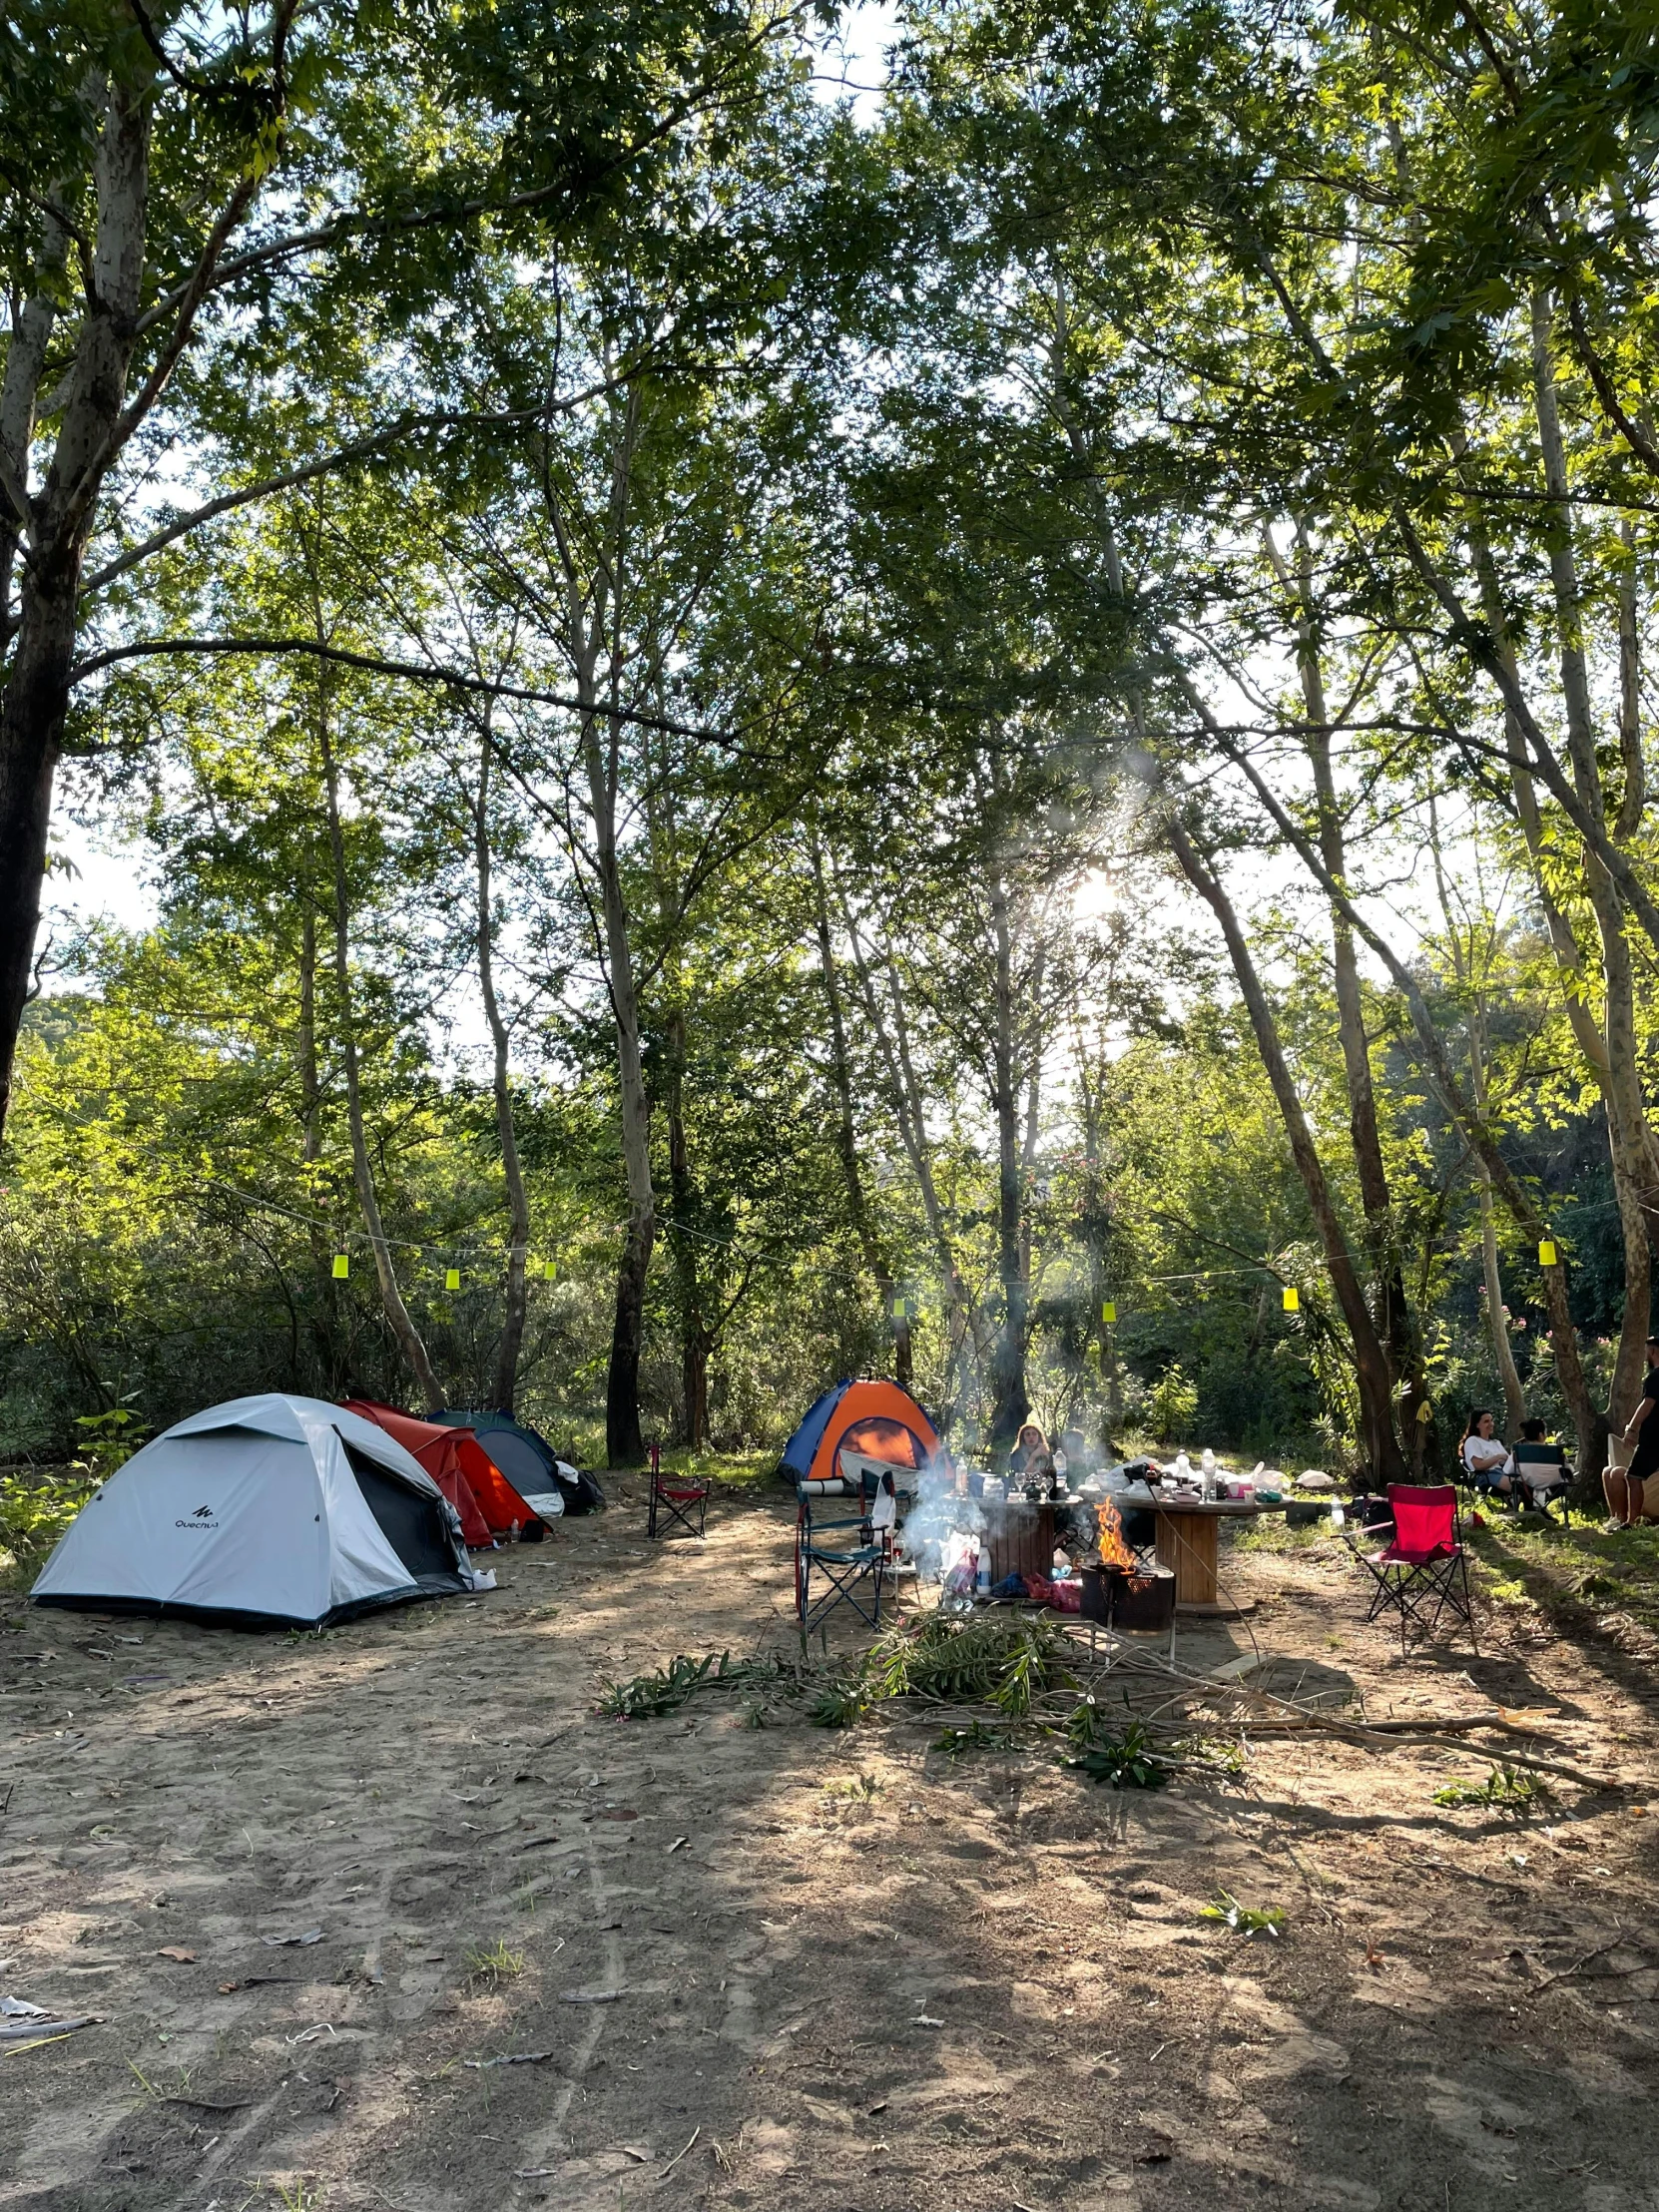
x=1625 y=1495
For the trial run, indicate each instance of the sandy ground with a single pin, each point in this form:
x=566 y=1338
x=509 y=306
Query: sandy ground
x=737 y=1975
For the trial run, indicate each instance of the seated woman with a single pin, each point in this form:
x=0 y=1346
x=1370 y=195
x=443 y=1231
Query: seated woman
x=1031 y=1461
x=1541 y=1469
x=1486 y=1457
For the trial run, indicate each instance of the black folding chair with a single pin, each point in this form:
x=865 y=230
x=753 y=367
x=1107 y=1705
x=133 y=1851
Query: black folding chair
x=684 y=1498
x=1543 y=1477
x=841 y=1558
x=1422 y=1570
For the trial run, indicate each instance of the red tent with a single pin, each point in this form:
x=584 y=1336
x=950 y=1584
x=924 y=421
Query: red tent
x=461 y=1467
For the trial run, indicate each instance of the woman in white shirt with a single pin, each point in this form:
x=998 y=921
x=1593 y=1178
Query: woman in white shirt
x=1486 y=1455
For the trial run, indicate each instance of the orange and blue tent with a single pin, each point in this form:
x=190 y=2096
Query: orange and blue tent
x=875 y=1418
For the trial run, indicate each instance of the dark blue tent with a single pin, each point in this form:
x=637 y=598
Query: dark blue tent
x=524 y=1456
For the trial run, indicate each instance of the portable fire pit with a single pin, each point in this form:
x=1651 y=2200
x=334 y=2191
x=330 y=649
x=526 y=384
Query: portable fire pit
x=1140 y=1599
x=1129 y=1600
x=1122 y=1594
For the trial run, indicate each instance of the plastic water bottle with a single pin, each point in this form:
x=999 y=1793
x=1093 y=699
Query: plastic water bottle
x=1183 y=1468
x=1208 y=1464
x=982 y=1577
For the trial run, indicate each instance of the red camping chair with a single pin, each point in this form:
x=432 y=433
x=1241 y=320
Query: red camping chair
x=682 y=1497
x=1423 y=1569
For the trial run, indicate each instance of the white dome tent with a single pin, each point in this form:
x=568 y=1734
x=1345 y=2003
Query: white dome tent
x=269 y=1508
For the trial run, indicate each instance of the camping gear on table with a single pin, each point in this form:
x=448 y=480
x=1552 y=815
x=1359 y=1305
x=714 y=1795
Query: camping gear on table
x=870 y=1420
x=1424 y=1564
x=456 y=1460
x=529 y=1463
x=268 y=1508
x=682 y=1497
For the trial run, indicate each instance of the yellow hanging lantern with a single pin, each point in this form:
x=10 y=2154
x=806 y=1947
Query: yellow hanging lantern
x=1291 y=1299
x=1546 y=1254
x=452 y=1279
x=342 y=1266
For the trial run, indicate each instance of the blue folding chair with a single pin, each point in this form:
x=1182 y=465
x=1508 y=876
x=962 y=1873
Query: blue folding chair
x=843 y=1546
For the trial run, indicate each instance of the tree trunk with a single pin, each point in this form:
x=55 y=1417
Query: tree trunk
x=60 y=521
x=1394 y=1319
x=1629 y=1131
x=1633 y=797
x=392 y=1298
x=1631 y=1144
x=694 y=1386
x=1635 y=1157
x=1385 y=1461
x=1033 y=1110
x=694 y=1345
x=847 y=1133
x=518 y=1204
x=624 y=1446
x=1095 y=1224
x=325 y=1333
x=1589 y=1423
x=905 y=1094
x=1010 y=1406
x=31 y=732
x=1497 y=1326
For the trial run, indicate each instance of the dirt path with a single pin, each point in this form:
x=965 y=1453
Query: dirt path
x=737 y=1975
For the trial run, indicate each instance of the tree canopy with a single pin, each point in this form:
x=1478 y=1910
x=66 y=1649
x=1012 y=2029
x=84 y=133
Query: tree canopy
x=971 y=731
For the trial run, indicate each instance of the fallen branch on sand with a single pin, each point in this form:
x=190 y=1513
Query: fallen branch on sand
x=1220 y=1705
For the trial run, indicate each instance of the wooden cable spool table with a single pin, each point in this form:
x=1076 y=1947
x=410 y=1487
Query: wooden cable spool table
x=1019 y=1535
x=1187 y=1543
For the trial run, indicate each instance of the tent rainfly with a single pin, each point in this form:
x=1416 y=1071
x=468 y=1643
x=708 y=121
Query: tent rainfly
x=268 y=1508
x=471 y=1478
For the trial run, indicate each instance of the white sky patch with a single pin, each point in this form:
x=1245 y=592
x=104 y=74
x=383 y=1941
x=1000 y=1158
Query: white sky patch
x=112 y=883
x=853 y=61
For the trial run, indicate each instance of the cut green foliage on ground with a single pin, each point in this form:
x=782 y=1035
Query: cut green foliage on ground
x=1005 y=1660
x=1128 y=1761
x=1244 y=1920
x=1503 y=1791
x=649 y=1695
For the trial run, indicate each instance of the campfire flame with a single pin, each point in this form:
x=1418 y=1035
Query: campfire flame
x=1114 y=1553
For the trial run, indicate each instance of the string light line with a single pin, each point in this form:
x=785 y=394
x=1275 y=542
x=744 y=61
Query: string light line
x=344 y=1238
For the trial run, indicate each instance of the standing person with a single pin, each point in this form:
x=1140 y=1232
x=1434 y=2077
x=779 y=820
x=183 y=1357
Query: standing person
x=1626 y=1492
x=1486 y=1455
